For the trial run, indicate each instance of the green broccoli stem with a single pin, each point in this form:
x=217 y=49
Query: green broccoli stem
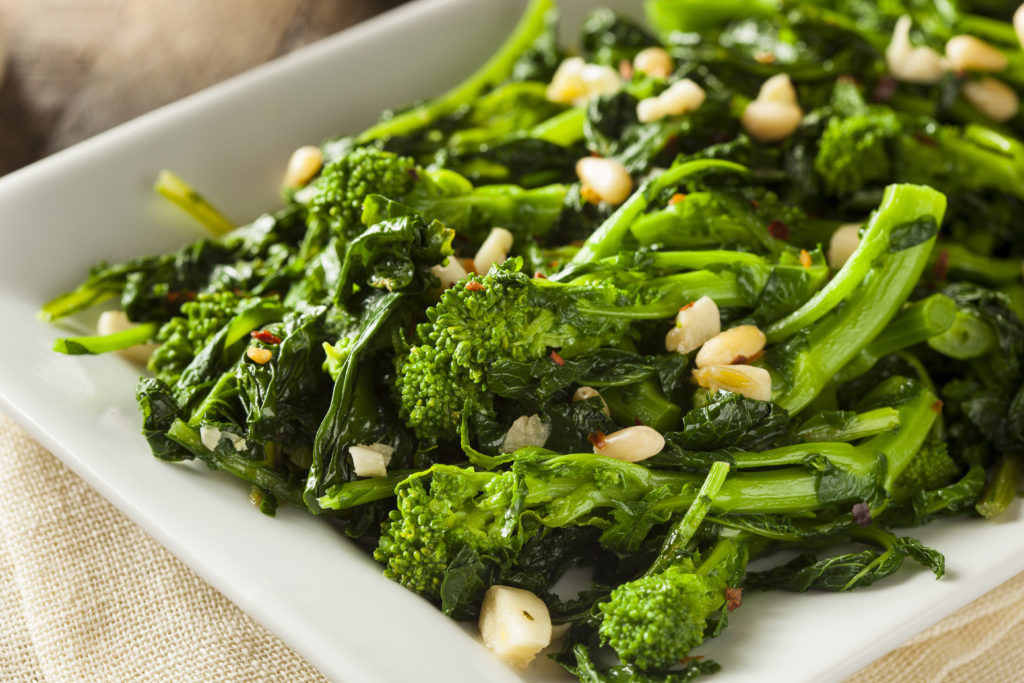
x=1001 y=489
x=977 y=158
x=960 y=263
x=174 y=188
x=836 y=339
x=859 y=426
x=105 y=343
x=901 y=204
x=88 y=294
x=564 y=128
x=968 y=337
x=643 y=403
x=494 y=71
x=683 y=531
x=607 y=239
x=915 y=324
x=668 y=16
x=361 y=491
x=235 y=463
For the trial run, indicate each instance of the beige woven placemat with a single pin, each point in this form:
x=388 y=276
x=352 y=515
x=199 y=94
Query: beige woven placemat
x=85 y=595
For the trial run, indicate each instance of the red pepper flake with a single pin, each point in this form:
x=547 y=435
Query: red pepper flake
x=941 y=267
x=885 y=88
x=265 y=337
x=691 y=658
x=740 y=360
x=805 y=258
x=778 y=230
x=184 y=295
x=414 y=174
x=558 y=359
x=597 y=438
x=637 y=421
x=733 y=598
x=553 y=264
x=474 y=286
x=689 y=305
x=468 y=265
x=540 y=276
x=676 y=198
x=926 y=140
x=625 y=69
x=753 y=203
x=861 y=514
x=937 y=406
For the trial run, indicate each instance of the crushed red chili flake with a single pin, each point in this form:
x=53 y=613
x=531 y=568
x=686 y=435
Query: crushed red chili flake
x=733 y=598
x=540 y=276
x=861 y=514
x=676 y=198
x=414 y=174
x=805 y=258
x=474 y=286
x=625 y=69
x=597 y=438
x=468 y=265
x=689 y=305
x=778 y=229
x=941 y=267
x=553 y=264
x=265 y=337
x=753 y=203
x=937 y=406
x=637 y=421
x=558 y=359
x=740 y=360
x=926 y=140
x=885 y=88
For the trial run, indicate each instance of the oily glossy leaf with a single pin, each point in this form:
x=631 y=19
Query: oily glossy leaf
x=731 y=421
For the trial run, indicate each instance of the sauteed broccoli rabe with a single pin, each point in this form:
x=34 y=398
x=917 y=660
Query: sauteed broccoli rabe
x=741 y=280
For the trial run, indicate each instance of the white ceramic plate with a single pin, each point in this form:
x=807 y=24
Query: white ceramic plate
x=294 y=573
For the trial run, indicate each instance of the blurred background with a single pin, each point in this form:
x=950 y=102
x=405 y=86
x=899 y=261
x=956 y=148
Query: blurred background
x=73 y=68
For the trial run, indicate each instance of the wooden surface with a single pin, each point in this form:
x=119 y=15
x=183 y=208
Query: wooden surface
x=77 y=67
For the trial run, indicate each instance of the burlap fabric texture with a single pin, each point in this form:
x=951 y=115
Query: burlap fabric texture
x=85 y=595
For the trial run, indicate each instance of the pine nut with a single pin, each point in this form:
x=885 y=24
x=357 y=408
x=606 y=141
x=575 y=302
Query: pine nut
x=449 y=273
x=650 y=109
x=653 y=61
x=843 y=243
x=493 y=251
x=778 y=88
x=585 y=392
x=992 y=98
x=527 y=430
x=632 y=444
x=967 y=53
x=575 y=81
x=371 y=460
x=695 y=325
x=744 y=341
x=514 y=624
x=747 y=380
x=607 y=179
x=771 y=121
x=599 y=79
x=111 y=322
x=303 y=165
x=912 y=64
x=1018 y=23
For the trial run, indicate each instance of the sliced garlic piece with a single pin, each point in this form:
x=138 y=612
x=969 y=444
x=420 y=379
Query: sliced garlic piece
x=515 y=625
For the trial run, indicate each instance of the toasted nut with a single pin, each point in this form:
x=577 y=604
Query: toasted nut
x=606 y=178
x=259 y=355
x=527 y=430
x=515 y=624
x=1018 y=23
x=304 y=164
x=844 y=242
x=992 y=98
x=653 y=61
x=695 y=324
x=744 y=341
x=631 y=444
x=967 y=53
x=450 y=273
x=912 y=64
x=111 y=322
x=585 y=392
x=371 y=460
x=778 y=88
x=679 y=98
x=747 y=380
x=493 y=251
x=575 y=81
x=770 y=121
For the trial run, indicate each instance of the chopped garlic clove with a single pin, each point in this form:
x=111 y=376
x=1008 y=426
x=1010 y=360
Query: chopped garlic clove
x=736 y=345
x=695 y=325
x=631 y=444
x=527 y=430
x=371 y=460
x=515 y=625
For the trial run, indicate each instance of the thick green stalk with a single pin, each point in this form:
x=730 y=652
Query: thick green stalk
x=1001 y=489
x=495 y=70
x=563 y=128
x=361 y=491
x=963 y=264
x=859 y=426
x=105 y=343
x=175 y=189
x=968 y=337
x=683 y=531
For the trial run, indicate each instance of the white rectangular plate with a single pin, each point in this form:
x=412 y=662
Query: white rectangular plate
x=295 y=574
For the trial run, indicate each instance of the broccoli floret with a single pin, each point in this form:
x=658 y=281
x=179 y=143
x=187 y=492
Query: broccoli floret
x=854 y=151
x=345 y=182
x=932 y=468
x=183 y=336
x=655 y=621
